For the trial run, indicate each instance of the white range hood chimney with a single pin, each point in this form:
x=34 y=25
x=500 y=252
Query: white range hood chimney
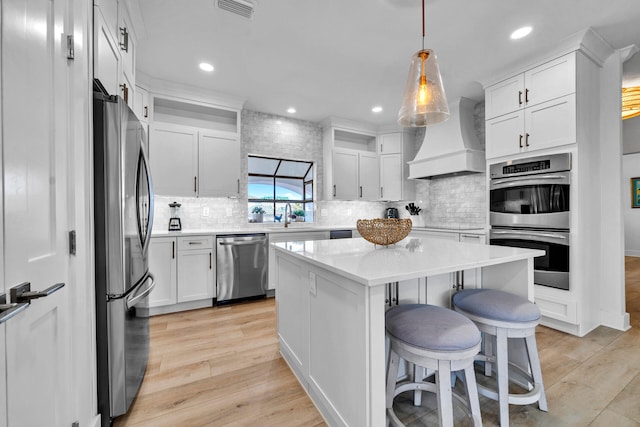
x=450 y=147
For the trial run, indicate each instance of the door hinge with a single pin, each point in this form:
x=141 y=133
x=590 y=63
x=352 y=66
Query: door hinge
x=71 y=54
x=72 y=242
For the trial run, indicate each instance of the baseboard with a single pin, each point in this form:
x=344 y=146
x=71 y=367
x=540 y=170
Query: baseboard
x=632 y=252
x=617 y=321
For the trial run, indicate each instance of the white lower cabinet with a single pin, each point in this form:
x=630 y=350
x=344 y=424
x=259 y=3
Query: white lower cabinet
x=162 y=265
x=183 y=270
x=195 y=268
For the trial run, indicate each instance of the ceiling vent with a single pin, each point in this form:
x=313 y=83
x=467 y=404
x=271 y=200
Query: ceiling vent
x=243 y=8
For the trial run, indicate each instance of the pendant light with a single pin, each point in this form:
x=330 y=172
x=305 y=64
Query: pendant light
x=630 y=102
x=424 y=102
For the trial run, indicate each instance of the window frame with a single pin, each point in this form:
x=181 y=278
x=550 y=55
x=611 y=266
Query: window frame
x=274 y=177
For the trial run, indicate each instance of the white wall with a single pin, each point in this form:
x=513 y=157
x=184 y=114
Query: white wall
x=631 y=169
x=631 y=135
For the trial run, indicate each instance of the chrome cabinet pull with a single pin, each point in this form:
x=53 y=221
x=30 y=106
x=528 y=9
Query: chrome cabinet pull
x=23 y=292
x=195 y=242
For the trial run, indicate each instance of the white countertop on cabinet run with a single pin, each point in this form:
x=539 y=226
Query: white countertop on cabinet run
x=411 y=258
x=296 y=227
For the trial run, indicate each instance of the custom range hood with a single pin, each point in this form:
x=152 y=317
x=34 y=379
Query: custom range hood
x=450 y=147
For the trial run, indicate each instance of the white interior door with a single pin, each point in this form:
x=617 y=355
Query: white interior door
x=35 y=137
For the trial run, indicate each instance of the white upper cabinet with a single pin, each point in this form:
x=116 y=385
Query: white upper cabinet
x=106 y=55
x=545 y=82
x=141 y=104
x=114 y=59
x=534 y=110
x=390 y=143
x=128 y=49
x=218 y=166
x=173 y=156
x=194 y=148
x=351 y=162
x=368 y=176
x=395 y=149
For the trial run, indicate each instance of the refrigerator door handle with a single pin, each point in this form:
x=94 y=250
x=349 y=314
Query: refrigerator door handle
x=145 y=229
x=136 y=296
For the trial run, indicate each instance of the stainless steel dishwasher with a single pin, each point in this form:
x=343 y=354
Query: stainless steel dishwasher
x=242 y=266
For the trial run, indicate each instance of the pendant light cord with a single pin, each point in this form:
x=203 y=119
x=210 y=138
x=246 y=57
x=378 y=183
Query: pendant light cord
x=422 y=24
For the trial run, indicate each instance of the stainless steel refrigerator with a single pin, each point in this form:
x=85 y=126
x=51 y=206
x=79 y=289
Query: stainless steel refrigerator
x=123 y=212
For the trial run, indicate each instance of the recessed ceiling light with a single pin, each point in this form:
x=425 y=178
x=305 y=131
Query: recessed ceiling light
x=521 y=32
x=206 y=67
x=291 y=110
x=377 y=109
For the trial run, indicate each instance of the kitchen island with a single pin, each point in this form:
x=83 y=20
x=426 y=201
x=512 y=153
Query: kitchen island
x=331 y=299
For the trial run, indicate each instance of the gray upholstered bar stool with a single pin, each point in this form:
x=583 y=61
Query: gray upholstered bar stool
x=503 y=315
x=438 y=339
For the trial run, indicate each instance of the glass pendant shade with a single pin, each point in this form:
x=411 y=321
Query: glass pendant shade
x=630 y=102
x=424 y=102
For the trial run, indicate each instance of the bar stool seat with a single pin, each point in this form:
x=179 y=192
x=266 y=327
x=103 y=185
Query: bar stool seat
x=502 y=315
x=438 y=339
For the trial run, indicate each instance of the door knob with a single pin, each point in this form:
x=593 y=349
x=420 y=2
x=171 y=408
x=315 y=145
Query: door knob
x=23 y=293
x=7 y=311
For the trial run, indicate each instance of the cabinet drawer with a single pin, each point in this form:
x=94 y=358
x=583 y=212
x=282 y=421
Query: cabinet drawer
x=195 y=242
x=556 y=308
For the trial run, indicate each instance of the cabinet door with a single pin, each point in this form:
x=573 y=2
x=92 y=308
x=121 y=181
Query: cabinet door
x=550 y=80
x=390 y=143
x=141 y=104
x=505 y=134
x=504 y=97
x=550 y=124
x=368 y=176
x=128 y=45
x=173 y=155
x=345 y=174
x=391 y=176
x=218 y=166
x=195 y=275
x=162 y=265
x=106 y=55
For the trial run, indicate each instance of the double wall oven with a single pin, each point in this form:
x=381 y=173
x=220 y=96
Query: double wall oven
x=529 y=208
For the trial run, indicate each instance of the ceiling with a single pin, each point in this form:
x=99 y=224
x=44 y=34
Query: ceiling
x=341 y=58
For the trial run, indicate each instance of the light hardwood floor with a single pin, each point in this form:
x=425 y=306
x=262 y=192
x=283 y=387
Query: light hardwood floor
x=222 y=367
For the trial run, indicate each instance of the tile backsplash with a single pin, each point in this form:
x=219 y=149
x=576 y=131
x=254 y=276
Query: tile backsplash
x=457 y=201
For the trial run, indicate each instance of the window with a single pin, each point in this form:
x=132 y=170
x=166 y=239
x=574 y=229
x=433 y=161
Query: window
x=273 y=183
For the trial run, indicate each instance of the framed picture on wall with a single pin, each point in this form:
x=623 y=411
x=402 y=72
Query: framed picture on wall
x=635 y=192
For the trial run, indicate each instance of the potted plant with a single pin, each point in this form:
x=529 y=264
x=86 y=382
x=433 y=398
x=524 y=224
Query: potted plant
x=257 y=214
x=298 y=215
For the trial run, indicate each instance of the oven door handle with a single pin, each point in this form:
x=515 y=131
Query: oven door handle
x=529 y=180
x=529 y=233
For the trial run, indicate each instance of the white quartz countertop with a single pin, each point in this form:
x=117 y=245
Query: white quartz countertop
x=297 y=227
x=410 y=258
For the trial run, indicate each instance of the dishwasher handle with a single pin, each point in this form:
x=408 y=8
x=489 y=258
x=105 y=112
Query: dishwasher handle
x=243 y=242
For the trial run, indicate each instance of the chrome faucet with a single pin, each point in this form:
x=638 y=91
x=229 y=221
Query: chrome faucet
x=287 y=219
